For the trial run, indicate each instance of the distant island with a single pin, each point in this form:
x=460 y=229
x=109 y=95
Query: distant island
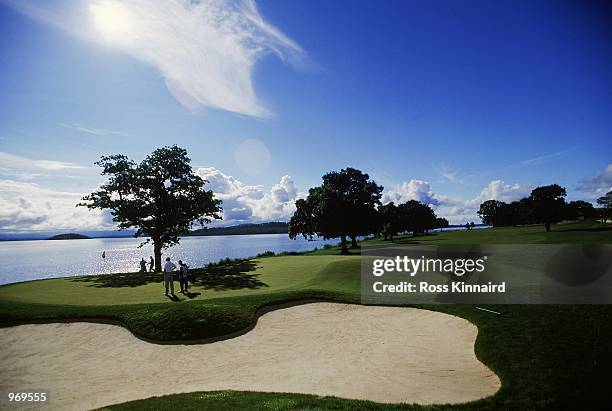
x=69 y=236
x=244 y=229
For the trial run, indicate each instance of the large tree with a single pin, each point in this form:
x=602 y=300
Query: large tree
x=304 y=220
x=389 y=221
x=416 y=217
x=161 y=197
x=548 y=204
x=489 y=212
x=343 y=206
x=579 y=209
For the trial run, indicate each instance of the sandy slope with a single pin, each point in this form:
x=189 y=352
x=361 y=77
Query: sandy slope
x=383 y=354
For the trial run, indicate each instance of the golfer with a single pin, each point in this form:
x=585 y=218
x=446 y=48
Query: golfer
x=168 y=280
x=183 y=276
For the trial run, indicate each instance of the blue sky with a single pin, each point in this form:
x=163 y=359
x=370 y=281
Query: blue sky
x=446 y=102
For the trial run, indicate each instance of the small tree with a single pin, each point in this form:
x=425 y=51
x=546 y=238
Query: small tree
x=548 y=204
x=161 y=197
x=441 y=223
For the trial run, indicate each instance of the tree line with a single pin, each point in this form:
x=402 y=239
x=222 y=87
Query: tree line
x=545 y=205
x=162 y=197
x=348 y=205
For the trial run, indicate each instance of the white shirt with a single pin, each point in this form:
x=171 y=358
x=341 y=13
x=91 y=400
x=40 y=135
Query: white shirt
x=169 y=267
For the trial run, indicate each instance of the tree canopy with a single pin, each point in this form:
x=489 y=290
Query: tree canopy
x=161 y=197
x=548 y=204
x=489 y=211
x=416 y=217
x=545 y=204
x=343 y=206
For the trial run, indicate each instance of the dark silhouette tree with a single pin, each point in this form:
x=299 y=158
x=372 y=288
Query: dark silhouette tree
x=579 y=209
x=489 y=212
x=548 y=204
x=606 y=203
x=304 y=220
x=343 y=206
x=389 y=220
x=416 y=217
x=441 y=223
x=161 y=197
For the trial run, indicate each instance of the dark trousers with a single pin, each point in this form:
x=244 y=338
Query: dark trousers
x=184 y=283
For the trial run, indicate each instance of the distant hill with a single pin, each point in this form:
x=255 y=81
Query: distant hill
x=242 y=229
x=69 y=236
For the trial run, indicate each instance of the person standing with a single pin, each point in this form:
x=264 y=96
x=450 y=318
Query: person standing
x=103 y=255
x=169 y=267
x=151 y=264
x=183 y=276
x=143 y=265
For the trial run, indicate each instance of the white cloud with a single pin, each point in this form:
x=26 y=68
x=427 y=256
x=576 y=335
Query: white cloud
x=412 y=190
x=93 y=130
x=598 y=184
x=538 y=160
x=251 y=203
x=498 y=190
x=456 y=210
x=19 y=163
x=26 y=206
x=205 y=50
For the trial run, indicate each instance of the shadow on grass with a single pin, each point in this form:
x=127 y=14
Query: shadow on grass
x=120 y=280
x=416 y=239
x=591 y=229
x=228 y=275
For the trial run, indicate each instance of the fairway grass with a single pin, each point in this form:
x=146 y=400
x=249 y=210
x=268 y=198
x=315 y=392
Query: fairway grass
x=262 y=275
x=548 y=357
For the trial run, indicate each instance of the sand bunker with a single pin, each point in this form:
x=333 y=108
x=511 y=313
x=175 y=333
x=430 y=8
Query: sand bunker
x=383 y=354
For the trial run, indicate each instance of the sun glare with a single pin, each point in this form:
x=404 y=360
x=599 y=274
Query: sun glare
x=112 y=20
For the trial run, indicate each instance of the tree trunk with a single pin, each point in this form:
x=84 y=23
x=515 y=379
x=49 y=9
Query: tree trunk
x=157 y=254
x=354 y=242
x=547 y=225
x=343 y=249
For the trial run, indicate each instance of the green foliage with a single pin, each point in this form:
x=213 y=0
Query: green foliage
x=545 y=204
x=548 y=204
x=416 y=217
x=441 y=222
x=489 y=212
x=343 y=206
x=161 y=197
x=579 y=209
x=605 y=201
x=410 y=216
x=389 y=220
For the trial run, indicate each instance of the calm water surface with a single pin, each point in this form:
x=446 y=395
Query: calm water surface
x=30 y=260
